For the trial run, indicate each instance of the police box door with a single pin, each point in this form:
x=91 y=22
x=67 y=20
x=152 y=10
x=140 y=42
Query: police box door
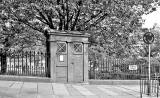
x=78 y=61
x=61 y=66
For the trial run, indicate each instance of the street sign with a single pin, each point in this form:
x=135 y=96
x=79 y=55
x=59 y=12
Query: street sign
x=148 y=38
x=132 y=67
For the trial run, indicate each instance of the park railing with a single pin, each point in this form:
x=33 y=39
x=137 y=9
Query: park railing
x=28 y=63
x=149 y=87
x=110 y=68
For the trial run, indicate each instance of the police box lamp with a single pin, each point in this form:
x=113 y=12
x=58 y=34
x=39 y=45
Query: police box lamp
x=148 y=38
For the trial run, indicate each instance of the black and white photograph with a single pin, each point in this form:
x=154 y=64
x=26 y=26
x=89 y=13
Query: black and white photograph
x=79 y=48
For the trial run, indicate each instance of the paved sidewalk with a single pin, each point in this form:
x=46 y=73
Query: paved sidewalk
x=13 y=89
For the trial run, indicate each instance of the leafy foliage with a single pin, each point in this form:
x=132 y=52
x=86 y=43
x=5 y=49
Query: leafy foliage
x=114 y=34
x=110 y=22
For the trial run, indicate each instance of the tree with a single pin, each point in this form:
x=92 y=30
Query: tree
x=106 y=18
x=115 y=33
x=14 y=36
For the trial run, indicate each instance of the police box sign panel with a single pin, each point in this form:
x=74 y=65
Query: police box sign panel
x=148 y=38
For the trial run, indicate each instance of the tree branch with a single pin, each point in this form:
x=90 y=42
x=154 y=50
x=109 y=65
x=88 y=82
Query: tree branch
x=43 y=17
x=40 y=19
x=97 y=21
x=30 y=25
x=50 y=21
x=67 y=12
x=92 y=17
x=60 y=18
x=76 y=19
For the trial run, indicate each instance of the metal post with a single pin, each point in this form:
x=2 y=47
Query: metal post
x=149 y=62
x=149 y=71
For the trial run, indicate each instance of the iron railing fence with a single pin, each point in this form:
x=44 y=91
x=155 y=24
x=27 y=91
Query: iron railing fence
x=119 y=69
x=24 y=63
x=149 y=87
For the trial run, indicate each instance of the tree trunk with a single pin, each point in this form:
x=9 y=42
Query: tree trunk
x=47 y=55
x=3 y=63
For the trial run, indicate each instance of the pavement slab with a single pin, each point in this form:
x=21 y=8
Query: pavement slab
x=46 y=96
x=83 y=90
x=45 y=89
x=72 y=91
x=6 y=84
x=108 y=91
x=29 y=88
x=112 y=89
x=17 y=85
x=94 y=89
x=131 y=87
x=128 y=91
x=27 y=96
x=60 y=89
x=15 y=89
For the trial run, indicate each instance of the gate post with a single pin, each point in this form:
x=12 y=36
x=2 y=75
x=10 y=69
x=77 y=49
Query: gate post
x=68 y=56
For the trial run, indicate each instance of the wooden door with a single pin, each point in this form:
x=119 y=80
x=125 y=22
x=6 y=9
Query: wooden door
x=61 y=67
x=78 y=64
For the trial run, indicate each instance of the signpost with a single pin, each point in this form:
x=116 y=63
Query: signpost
x=148 y=38
x=133 y=67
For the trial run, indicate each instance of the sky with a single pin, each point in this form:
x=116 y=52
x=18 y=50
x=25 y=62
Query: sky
x=151 y=19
